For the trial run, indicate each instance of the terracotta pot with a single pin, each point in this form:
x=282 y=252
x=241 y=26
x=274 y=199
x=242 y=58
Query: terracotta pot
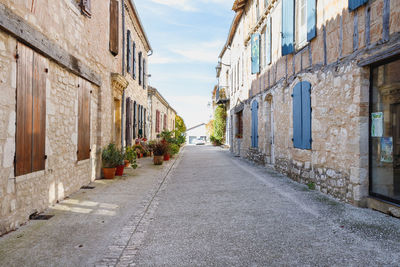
x=167 y=157
x=141 y=155
x=126 y=163
x=158 y=160
x=109 y=173
x=119 y=170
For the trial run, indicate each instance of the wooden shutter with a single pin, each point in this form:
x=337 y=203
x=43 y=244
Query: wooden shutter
x=134 y=119
x=255 y=53
x=24 y=111
x=140 y=68
x=114 y=27
x=268 y=41
x=128 y=126
x=145 y=121
x=31 y=111
x=39 y=112
x=157 y=121
x=311 y=19
x=254 y=124
x=134 y=60
x=354 y=4
x=165 y=122
x=287 y=27
x=128 y=51
x=83 y=120
x=144 y=74
x=297 y=117
x=86 y=7
x=306 y=114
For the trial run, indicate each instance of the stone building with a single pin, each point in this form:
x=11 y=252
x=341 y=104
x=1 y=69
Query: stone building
x=161 y=114
x=62 y=68
x=320 y=81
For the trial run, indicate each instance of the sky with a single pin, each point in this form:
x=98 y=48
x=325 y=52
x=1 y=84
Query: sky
x=187 y=37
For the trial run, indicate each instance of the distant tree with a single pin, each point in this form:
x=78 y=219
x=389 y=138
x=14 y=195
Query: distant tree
x=210 y=127
x=219 y=123
x=180 y=130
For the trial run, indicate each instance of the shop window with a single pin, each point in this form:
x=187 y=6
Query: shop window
x=385 y=132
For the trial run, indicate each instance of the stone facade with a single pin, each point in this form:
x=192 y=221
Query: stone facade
x=158 y=103
x=338 y=162
x=76 y=51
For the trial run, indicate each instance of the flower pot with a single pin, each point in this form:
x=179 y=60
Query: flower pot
x=109 y=173
x=158 y=160
x=126 y=163
x=141 y=155
x=119 y=170
x=167 y=157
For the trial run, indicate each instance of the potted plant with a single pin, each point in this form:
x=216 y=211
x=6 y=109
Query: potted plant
x=159 y=149
x=121 y=164
x=110 y=160
x=174 y=149
x=130 y=157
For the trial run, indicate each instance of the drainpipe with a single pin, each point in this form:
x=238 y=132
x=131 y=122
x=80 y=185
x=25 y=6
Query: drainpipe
x=123 y=73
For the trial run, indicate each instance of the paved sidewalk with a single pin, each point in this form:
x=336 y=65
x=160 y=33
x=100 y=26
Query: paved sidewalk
x=87 y=224
x=217 y=210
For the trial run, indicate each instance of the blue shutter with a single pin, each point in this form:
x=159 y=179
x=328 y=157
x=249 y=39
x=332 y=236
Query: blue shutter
x=255 y=53
x=311 y=19
x=128 y=52
x=134 y=60
x=306 y=114
x=297 y=117
x=268 y=40
x=254 y=124
x=354 y=4
x=287 y=27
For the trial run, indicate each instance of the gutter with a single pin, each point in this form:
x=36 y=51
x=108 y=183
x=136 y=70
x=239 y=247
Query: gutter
x=123 y=72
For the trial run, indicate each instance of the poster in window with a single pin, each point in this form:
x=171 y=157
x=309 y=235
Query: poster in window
x=255 y=53
x=377 y=124
x=387 y=149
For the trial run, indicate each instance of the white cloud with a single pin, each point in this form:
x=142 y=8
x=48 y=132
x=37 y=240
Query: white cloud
x=193 y=109
x=184 y=5
x=200 y=52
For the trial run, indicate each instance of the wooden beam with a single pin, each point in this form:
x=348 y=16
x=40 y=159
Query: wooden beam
x=25 y=33
x=380 y=56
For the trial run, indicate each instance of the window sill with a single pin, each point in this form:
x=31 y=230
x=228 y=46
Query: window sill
x=82 y=162
x=29 y=176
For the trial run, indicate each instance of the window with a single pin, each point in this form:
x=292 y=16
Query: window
x=354 y=4
x=114 y=27
x=301 y=23
x=305 y=24
x=254 y=124
x=31 y=112
x=302 y=115
x=239 y=124
x=165 y=122
x=83 y=120
x=128 y=51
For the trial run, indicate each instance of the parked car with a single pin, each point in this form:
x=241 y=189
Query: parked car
x=199 y=141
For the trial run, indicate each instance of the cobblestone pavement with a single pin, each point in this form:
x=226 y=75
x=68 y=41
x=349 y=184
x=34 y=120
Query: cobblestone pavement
x=217 y=210
x=207 y=208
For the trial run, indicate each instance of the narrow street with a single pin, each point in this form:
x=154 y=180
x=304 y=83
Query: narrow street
x=205 y=208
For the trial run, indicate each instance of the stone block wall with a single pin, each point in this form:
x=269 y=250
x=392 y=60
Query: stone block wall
x=23 y=195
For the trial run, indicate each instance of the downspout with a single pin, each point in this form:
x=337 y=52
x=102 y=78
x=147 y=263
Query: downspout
x=123 y=73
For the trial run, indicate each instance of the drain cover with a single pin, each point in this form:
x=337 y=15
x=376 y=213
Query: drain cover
x=88 y=187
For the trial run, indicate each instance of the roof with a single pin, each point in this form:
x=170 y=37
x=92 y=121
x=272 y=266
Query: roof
x=140 y=24
x=156 y=93
x=238 y=7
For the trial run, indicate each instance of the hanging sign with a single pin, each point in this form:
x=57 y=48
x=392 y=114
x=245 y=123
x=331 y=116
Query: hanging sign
x=377 y=124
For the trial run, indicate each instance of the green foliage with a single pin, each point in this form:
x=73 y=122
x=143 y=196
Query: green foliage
x=311 y=186
x=174 y=149
x=180 y=124
x=215 y=141
x=159 y=148
x=130 y=155
x=111 y=157
x=219 y=123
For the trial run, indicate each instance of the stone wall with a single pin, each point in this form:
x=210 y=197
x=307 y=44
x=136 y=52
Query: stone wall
x=23 y=195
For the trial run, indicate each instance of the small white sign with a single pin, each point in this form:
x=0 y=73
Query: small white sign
x=377 y=124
